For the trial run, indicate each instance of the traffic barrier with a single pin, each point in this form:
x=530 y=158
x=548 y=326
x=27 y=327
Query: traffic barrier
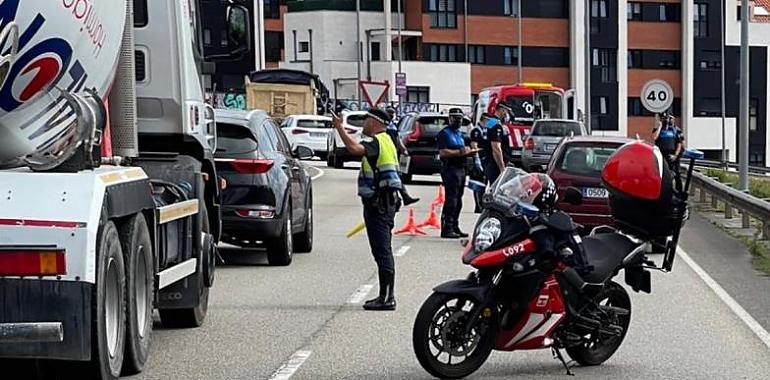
x=411 y=227
x=432 y=220
x=440 y=198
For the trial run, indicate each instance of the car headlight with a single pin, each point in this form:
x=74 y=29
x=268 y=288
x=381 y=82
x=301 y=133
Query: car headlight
x=487 y=233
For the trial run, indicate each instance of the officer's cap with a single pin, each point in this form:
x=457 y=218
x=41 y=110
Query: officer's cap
x=379 y=115
x=504 y=107
x=456 y=112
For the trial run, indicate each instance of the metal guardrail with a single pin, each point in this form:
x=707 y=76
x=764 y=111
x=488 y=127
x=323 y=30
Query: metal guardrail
x=755 y=170
x=749 y=206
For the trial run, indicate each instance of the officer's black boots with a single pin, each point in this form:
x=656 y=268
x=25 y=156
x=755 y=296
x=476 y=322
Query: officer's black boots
x=460 y=232
x=387 y=298
x=408 y=200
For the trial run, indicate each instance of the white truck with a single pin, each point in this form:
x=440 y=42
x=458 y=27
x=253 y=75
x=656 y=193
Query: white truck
x=91 y=242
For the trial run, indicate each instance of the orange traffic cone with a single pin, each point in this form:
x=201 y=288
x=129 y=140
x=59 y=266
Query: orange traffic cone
x=411 y=227
x=440 y=199
x=432 y=221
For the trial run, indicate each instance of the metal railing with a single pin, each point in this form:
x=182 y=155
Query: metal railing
x=754 y=170
x=747 y=205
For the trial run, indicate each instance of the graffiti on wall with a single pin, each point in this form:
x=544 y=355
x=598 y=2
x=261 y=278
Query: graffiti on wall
x=401 y=108
x=227 y=100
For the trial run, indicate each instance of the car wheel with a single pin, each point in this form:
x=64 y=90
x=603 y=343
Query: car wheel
x=280 y=250
x=304 y=239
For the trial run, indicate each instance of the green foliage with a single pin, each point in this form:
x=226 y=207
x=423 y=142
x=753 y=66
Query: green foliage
x=758 y=186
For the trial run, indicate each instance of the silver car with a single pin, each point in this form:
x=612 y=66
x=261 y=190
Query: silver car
x=545 y=136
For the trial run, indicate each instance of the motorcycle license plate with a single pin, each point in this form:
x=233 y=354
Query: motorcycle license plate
x=594 y=192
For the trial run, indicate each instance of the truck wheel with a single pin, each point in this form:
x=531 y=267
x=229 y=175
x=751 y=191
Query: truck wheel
x=304 y=239
x=280 y=250
x=191 y=317
x=140 y=285
x=109 y=310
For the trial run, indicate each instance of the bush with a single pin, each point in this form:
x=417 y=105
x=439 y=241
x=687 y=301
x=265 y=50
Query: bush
x=758 y=186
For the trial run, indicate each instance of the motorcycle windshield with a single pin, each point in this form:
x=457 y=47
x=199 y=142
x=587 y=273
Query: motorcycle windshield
x=515 y=191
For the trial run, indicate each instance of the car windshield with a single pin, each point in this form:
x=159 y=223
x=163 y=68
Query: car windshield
x=235 y=139
x=315 y=123
x=585 y=160
x=433 y=124
x=556 y=129
x=356 y=120
x=514 y=189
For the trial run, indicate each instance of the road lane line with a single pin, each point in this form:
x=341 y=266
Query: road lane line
x=402 y=251
x=734 y=306
x=319 y=175
x=291 y=366
x=360 y=293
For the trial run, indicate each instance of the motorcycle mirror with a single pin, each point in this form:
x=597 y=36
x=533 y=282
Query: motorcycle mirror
x=573 y=196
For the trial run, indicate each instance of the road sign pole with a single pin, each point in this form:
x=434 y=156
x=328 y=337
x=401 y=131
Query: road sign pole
x=743 y=176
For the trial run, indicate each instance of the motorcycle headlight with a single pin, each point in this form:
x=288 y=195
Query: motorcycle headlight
x=487 y=233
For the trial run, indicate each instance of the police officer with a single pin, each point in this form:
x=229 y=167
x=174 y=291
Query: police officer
x=669 y=139
x=498 y=149
x=378 y=187
x=452 y=151
x=392 y=131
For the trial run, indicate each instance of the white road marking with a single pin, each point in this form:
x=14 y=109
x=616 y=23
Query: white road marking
x=360 y=293
x=291 y=366
x=736 y=308
x=402 y=251
x=319 y=175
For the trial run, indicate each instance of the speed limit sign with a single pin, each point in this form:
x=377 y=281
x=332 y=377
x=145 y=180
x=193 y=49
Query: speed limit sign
x=657 y=96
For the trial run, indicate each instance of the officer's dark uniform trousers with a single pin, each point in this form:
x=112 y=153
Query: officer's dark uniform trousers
x=453 y=177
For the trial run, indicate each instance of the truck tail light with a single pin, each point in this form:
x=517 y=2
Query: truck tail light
x=245 y=166
x=32 y=262
x=297 y=131
x=529 y=143
x=255 y=214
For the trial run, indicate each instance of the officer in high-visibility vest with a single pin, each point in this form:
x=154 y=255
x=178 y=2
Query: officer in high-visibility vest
x=378 y=187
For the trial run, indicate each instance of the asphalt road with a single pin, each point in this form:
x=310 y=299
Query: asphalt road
x=298 y=318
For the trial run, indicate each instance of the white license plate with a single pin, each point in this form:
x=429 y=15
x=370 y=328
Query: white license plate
x=550 y=147
x=594 y=192
x=317 y=134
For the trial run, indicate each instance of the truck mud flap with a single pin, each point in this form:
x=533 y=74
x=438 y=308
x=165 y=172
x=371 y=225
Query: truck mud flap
x=49 y=302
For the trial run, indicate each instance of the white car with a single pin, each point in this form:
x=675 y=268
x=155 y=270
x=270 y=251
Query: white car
x=311 y=131
x=353 y=121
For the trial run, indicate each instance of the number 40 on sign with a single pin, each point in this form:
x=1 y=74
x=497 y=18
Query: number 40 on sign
x=657 y=96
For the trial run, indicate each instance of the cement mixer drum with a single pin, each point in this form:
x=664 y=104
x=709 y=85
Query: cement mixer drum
x=52 y=53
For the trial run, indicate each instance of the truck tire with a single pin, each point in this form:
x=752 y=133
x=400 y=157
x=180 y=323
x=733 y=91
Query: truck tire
x=140 y=285
x=194 y=316
x=109 y=310
x=280 y=250
x=303 y=241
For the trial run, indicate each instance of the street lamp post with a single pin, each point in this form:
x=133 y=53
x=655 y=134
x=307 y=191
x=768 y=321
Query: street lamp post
x=744 y=112
x=518 y=13
x=358 y=49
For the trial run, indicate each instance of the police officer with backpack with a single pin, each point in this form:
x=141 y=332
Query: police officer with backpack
x=378 y=186
x=498 y=145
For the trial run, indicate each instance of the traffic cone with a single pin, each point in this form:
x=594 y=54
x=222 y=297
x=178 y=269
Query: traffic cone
x=411 y=227
x=432 y=221
x=440 y=199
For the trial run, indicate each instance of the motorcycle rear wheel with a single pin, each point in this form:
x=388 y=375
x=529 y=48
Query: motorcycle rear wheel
x=440 y=317
x=596 y=350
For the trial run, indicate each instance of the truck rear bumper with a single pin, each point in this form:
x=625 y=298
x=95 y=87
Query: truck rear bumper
x=45 y=319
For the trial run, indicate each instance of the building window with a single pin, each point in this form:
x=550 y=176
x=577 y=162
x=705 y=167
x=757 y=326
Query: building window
x=273 y=46
x=753 y=113
x=634 y=12
x=654 y=59
x=598 y=12
x=375 y=51
x=443 y=13
x=272 y=9
x=701 y=18
x=304 y=46
x=511 y=7
x=223 y=38
x=477 y=54
x=606 y=62
x=599 y=105
x=510 y=55
x=710 y=65
x=533 y=56
x=442 y=53
x=540 y=8
x=635 y=108
x=634 y=59
x=417 y=94
x=207 y=37
x=669 y=13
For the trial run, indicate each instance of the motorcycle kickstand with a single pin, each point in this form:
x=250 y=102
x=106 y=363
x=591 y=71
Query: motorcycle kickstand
x=557 y=355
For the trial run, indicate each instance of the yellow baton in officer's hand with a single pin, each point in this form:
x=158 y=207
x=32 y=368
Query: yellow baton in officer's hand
x=358 y=228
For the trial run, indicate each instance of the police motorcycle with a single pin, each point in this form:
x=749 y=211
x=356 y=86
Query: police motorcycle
x=537 y=284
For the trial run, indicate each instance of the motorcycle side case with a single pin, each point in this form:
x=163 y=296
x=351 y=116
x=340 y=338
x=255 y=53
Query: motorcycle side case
x=469 y=288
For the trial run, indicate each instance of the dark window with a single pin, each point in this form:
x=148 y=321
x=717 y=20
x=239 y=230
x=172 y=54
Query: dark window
x=477 y=54
x=545 y=56
x=606 y=62
x=599 y=105
x=417 y=94
x=654 y=59
x=235 y=139
x=634 y=12
x=753 y=113
x=273 y=46
x=542 y=8
x=556 y=128
x=634 y=59
x=709 y=107
x=635 y=107
x=511 y=55
x=510 y=7
x=304 y=46
x=442 y=53
x=272 y=9
x=599 y=11
x=700 y=19
x=375 y=51
x=585 y=160
x=600 y=109
x=710 y=65
x=443 y=13
x=283 y=144
x=140 y=13
x=669 y=13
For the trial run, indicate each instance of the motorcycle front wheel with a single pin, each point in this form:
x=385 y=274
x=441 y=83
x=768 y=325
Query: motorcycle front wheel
x=442 y=347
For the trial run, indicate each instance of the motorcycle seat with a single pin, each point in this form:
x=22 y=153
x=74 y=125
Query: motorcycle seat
x=605 y=252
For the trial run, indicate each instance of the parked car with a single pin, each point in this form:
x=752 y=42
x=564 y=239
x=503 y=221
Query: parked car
x=310 y=131
x=419 y=132
x=353 y=121
x=268 y=199
x=544 y=138
x=578 y=162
